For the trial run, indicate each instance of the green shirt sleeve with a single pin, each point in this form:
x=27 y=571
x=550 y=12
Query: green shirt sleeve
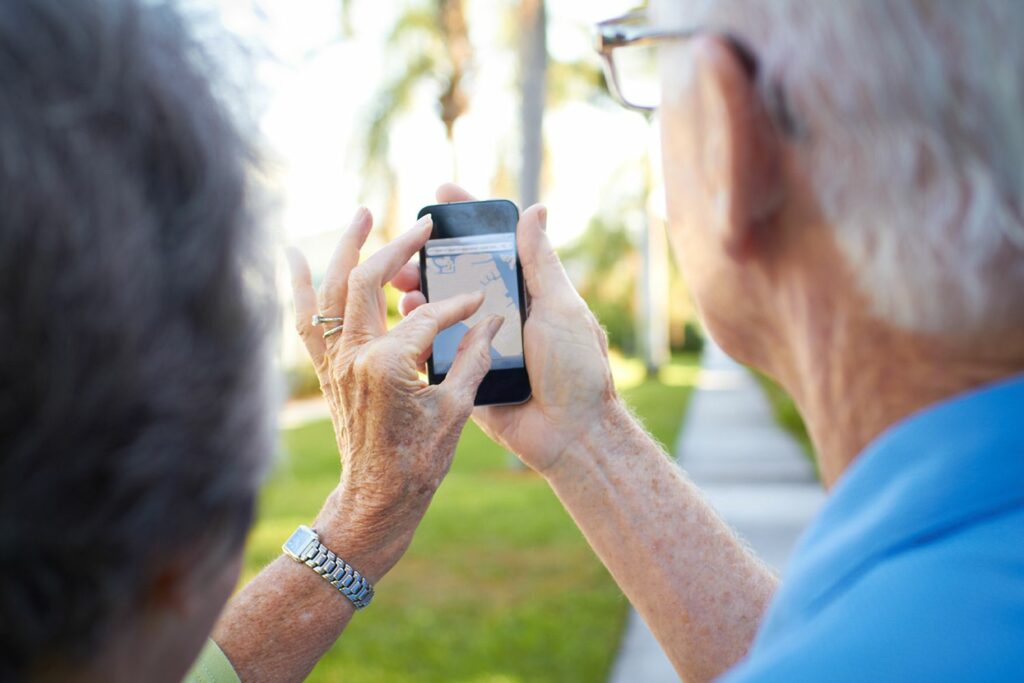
x=212 y=667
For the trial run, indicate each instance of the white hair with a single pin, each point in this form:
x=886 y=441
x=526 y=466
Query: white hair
x=912 y=113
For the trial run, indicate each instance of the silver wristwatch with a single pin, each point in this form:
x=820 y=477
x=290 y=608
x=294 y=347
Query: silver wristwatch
x=304 y=546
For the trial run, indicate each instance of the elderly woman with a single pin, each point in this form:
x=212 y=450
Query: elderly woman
x=135 y=305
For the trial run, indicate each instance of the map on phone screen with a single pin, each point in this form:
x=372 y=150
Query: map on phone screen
x=460 y=265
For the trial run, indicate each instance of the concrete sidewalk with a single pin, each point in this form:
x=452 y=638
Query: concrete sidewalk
x=754 y=474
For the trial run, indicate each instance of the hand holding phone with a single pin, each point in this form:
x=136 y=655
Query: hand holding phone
x=565 y=349
x=473 y=248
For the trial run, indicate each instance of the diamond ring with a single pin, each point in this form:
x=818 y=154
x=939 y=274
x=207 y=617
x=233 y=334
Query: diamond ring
x=320 y=320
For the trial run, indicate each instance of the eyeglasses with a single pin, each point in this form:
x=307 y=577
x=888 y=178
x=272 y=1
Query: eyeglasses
x=628 y=46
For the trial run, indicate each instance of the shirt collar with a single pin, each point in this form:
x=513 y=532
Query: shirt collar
x=953 y=463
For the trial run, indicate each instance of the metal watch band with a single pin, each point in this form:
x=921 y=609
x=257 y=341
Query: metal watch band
x=305 y=546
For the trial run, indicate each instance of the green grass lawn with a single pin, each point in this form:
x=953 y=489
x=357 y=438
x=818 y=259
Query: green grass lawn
x=498 y=586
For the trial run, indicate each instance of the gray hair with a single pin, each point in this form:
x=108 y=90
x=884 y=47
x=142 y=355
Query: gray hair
x=913 y=138
x=134 y=308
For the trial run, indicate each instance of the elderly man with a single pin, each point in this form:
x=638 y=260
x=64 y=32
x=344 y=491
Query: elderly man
x=846 y=200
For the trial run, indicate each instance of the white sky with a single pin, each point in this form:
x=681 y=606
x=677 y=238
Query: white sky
x=319 y=89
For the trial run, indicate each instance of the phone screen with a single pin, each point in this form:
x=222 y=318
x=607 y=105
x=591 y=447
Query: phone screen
x=487 y=263
x=472 y=248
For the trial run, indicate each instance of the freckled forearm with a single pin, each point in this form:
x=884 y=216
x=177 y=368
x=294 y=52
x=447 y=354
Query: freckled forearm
x=280 y=624
x=697 y=587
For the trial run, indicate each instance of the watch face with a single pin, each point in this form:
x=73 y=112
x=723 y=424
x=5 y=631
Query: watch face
x=295 y=545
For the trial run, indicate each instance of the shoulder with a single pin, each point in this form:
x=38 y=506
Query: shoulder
x=950 y=608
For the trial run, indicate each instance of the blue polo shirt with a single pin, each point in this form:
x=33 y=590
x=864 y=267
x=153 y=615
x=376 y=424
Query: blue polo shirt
x=914 y=570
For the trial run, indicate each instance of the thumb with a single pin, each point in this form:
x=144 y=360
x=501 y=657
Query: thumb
x=542 y=268
x=473 y=359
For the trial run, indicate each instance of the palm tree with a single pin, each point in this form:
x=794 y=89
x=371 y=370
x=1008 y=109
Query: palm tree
x=433 y=40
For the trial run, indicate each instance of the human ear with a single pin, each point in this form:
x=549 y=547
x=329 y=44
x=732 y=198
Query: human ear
x=740 y=150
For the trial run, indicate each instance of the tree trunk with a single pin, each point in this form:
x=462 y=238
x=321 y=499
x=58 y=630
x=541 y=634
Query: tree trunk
x=655 y=286
x=533 y=62
x=654 y=280
x=533 y=71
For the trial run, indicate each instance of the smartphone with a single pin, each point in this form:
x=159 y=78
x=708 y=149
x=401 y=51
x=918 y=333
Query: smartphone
x=473 y=248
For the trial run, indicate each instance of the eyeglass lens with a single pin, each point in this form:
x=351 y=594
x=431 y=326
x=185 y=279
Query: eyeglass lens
x=636 y=68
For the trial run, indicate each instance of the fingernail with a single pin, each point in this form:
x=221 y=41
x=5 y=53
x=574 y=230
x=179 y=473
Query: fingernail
x=494 y=324
x=362 y=221
x=542 y=218
x=362 y=213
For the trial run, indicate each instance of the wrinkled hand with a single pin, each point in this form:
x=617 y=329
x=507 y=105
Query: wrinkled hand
x=566 y=352
x=396 y=434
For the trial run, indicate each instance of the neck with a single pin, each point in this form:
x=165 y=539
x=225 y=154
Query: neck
x=853 y=377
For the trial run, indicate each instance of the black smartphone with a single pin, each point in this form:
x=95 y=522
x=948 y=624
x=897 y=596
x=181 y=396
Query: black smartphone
x=473 y=248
